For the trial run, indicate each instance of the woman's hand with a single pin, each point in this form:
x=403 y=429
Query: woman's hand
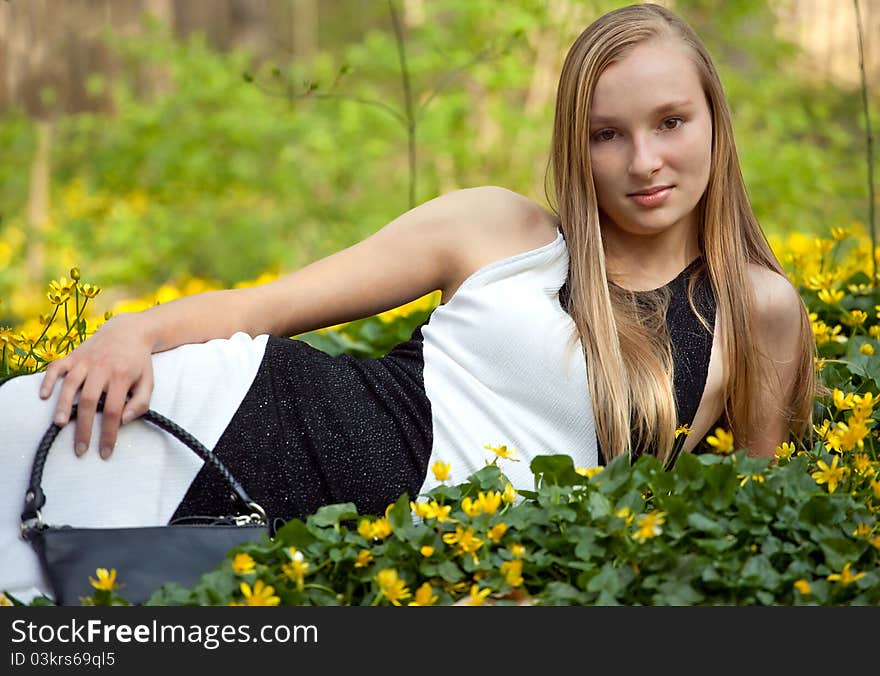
x=115 y=360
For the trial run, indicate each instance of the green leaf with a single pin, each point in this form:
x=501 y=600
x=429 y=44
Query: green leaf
x=599 y=505
x=489 y=478
x=400 y=515
x=331 y=515
x=759 y=572
x=450 y=571
x=721 y=485
x=704 y=524
x=562 y=594
x=840 y=550
x=677 y=593
x=557 y=470
x=295 y=533
x=688 y=471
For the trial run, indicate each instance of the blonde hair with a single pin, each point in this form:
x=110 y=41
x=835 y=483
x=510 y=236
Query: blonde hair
x=628 y=355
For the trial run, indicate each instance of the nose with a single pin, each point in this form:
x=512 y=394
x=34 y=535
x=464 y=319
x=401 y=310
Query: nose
x=646 y=159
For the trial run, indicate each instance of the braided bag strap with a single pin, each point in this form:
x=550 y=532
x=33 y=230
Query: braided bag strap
x=35 y=498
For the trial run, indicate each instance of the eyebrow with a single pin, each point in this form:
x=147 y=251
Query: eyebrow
x=602 y=119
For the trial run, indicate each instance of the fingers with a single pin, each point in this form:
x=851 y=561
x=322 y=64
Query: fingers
x=53 y=371
x=86 y=408
x=112 y=417
x=73 y=380
x=139 y=402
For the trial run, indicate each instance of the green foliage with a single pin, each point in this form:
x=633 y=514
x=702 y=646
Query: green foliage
x=629 y=535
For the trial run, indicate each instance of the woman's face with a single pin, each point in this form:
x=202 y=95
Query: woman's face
x=650 y=126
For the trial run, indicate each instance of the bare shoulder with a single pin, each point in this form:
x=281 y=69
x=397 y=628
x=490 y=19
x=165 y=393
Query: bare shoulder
x=501 y=223
x=777 y=303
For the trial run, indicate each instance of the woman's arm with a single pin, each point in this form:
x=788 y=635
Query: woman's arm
x=777 y=331
x=416 y=253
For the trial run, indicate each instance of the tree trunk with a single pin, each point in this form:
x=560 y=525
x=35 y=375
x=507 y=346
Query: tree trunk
x=38 y=205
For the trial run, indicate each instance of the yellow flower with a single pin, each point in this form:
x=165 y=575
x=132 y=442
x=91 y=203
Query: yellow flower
x=683 y=429
x=106 y=580
x=845 y=576
x=378 y=529
x=509 y=494
x=825 y=334
x=857 y=317
x=421 y=509
x=427 y=551
x=839 y=234
x=588 y=472
x=863 y=530
x=424 y=596
x=626 y=514
x=832 y=475
x=649 y=526
x=502 y=452
x=863 y=405
x=297 y=568
x=759 y=478
x=843 y=401
x=49 y=349
x=512 y=572
x=518 y=551
x=875 y=541
x=875 y=486
x=471 y=507
x=89 y=290
x=489 y=502
x=497 y=532
x=785 y=451
x=866 y=348
x=822 y=431
x=721 y=441
x=4 y=600
x=467 y=543
x=261 y=595
x=874 y=331
x=845 y=437
x=7 y=336
x=391 y=586
x=57 y=295
x=862 y=463
x=441 y=470
x=830 y=296
x=803 y=586
x=364 y=559
x=477 y=596
x=439 y=512
x=243 y=564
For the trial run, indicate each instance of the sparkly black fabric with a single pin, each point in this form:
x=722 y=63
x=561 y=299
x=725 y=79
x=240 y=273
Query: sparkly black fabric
x=315 y=429
x=691 y=342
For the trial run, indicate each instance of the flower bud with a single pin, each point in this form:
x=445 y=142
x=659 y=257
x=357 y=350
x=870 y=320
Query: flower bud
x=74 y=274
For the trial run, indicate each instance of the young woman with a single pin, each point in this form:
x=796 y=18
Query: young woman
x=648 y=299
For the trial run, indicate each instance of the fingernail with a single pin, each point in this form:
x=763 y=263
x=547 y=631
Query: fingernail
x=105 y=452
x=60 y=419
x=43 y=393
x=80 y=448
x=126 y=417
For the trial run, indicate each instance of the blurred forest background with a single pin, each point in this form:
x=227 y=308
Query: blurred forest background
x=150 y=141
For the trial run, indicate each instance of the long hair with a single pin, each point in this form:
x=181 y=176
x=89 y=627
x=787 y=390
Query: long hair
x=627 y=350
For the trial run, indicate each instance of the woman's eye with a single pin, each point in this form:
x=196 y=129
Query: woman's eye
x=600 y=136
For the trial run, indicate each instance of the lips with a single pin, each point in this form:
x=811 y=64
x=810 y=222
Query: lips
x=652 y=200
x=650 y=191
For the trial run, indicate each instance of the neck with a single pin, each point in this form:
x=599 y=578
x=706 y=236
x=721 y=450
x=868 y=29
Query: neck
x=645 y=262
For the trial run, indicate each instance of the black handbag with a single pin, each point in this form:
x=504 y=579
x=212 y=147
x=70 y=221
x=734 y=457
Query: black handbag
x=144 y=557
